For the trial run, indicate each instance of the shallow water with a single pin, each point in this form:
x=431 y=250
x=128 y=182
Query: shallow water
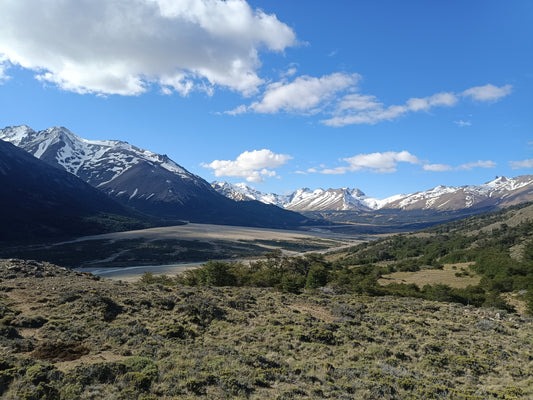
x=135 y=272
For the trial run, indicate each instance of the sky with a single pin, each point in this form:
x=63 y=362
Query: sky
x=386 y=96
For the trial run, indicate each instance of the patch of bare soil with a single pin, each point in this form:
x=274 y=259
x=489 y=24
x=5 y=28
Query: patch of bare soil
x=316 y=311
x=88 y=359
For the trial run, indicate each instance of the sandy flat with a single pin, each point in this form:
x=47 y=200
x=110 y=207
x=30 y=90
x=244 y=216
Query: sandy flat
x=133 y=274
x=212 y=232
x=206 y=233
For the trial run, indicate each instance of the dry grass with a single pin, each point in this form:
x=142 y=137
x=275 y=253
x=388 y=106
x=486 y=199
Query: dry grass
x=319 y=312
x=446 y=276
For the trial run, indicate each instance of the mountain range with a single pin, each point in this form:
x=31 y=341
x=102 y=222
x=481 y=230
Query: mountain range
x=155 y=185
x=148 y=182
x=499 y=193
x=39 y=201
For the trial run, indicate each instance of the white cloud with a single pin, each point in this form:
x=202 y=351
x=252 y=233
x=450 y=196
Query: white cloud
x=254 y=165
x=336 y=98
x=292 y=69
x=124 y=47
x=424 y=104
x=366 y=109
x=462 y=167
x=477 y=164
x=304 y=95
x=358 y=102
x=437 y=167
x=521 y=164
x=462 y=123
x=386 y=162
x=488 y=92
x=3 y=67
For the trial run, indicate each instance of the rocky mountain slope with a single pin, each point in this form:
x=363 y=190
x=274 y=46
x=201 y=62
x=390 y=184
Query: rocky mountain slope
x=149 y=182
x=39 y=201
x=303 y=199
x=501 y=192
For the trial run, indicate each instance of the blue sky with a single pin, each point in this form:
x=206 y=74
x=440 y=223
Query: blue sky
x=385 y=96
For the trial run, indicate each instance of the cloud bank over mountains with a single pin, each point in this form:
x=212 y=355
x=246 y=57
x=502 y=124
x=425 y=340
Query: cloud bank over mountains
x=185 y=46
x=257 y=165
x=336 y=97
x=388 y=162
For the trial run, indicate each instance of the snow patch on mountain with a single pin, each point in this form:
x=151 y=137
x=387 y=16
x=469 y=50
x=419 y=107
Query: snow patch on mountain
x=96 y=161
x=441 y=198
x=303 y=199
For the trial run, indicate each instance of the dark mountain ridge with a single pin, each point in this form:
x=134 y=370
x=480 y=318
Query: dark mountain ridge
x=148 y=182
x=41 y=202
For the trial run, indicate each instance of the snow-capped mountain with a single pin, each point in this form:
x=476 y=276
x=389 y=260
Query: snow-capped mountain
x=500 y=192
x=41 y=202
x=243 y=192
x=149 y=182
x=331 y=199
x=95 y=161
x=301 y=200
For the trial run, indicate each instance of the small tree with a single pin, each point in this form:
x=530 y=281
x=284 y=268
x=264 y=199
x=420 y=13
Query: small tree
x=316 y=277
x=217 y=273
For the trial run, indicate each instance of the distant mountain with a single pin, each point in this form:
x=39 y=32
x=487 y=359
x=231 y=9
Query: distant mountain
x=40 y=202
x=501 y=192
x=243 y=192
x=301 y=200
x=149 y=182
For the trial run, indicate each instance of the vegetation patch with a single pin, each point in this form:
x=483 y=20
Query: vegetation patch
x=169 y=340
x=454 y=275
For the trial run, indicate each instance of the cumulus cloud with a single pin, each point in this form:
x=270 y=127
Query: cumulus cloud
x=304 y=95
x=366 y=109
x=386 y=162
x=254 y=165
x=337 y=99
x=521 y=164
x=488 y=92
x=124 y=47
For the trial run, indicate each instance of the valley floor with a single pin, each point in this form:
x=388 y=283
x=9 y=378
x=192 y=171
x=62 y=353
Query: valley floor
x=175 y=247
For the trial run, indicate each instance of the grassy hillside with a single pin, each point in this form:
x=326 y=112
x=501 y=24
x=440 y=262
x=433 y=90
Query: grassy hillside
x=69 y=335
x=495 y=247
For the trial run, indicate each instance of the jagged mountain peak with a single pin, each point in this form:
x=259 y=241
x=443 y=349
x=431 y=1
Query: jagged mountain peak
x=303 y=199
x=147 y=181
x=499 y=192
x=83 y=157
